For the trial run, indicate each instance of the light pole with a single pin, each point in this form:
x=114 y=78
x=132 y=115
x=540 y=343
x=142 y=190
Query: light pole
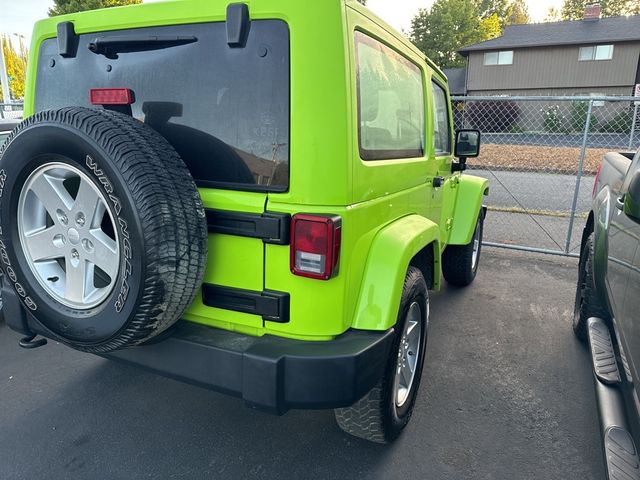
x=4 y=79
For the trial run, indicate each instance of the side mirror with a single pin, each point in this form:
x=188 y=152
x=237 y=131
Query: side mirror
x=632 y=198
x=467 y=144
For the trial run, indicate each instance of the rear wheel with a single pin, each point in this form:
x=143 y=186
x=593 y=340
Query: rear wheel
x=588 y=303
x=381 y=415
x=460 y=262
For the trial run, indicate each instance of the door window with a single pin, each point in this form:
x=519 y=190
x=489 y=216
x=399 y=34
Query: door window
x=442 y=129
x=390 y=102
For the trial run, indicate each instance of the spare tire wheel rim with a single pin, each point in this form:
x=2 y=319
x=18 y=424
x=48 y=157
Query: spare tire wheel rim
x=68 y=235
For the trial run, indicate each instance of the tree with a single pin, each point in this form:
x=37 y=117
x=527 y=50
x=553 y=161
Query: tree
x=449 y=26
x=486 y=8
x=508 y=12
x=614 y=8
x=517 y=13
x=490 y=27
x=574 y=9
x=553 y=15
x=61 y=7
x=16 y=64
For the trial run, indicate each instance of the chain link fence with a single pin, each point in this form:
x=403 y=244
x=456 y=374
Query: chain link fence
x=11 y=111
x=541 y=155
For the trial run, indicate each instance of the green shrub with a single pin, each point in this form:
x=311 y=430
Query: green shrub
x=554 y=120
x=621 y=123
x=579 y=111
x=492 y=115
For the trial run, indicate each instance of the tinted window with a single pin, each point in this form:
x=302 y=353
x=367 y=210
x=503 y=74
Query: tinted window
x=225 y=110
x=390 y=102
x=442 y=130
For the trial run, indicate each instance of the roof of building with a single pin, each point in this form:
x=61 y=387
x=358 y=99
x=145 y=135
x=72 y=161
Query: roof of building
x=457 y=80
x=612 y=29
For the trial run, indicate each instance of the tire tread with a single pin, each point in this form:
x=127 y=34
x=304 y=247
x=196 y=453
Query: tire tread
x=591 y=305
x=171 y=214
x=457 y=261
x=371 y=418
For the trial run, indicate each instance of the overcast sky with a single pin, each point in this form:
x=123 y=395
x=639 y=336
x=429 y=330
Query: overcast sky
x=18 y=16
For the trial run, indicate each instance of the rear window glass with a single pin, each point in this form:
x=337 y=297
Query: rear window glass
x=390 y=102
x=225 y=110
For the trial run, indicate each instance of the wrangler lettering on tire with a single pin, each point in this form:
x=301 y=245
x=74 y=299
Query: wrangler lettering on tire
x=102 y=229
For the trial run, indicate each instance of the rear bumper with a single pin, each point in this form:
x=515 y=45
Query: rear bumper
x=270 y=373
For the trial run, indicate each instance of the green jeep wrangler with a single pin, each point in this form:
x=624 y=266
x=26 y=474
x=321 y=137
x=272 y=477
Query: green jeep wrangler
x=253 y=197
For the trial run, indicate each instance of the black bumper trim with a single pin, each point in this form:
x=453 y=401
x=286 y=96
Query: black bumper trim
x=272 y=306
x=271 y=373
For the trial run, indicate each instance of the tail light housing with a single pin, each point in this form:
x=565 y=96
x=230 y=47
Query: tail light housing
x=111 y=96
x=315 y=245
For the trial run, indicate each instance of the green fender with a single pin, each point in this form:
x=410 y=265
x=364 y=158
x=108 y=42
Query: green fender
x=471 y=191
x=391 y=252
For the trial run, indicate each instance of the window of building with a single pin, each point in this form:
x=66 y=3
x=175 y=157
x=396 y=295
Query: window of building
x=390 y=102
x=596 y=52
x=442 y=129
x=504 y=57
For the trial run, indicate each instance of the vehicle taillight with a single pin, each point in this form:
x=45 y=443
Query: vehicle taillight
x=111 y=96
x=315 y=245
x=596 y=180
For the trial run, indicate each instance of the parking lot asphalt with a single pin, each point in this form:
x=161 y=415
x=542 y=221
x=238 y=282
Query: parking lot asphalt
x=506 y=393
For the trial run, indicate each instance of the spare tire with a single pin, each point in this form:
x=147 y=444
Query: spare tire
x=102 y=230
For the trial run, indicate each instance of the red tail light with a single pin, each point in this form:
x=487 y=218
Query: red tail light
x=315 y=245
x=596 y=180
x=111 y=96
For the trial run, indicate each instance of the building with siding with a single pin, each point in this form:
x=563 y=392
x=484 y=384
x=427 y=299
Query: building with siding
x=591 y=56
x=457 y=80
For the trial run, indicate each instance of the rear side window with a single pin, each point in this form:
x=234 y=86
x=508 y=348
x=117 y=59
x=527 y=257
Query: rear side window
x=390 y=102
x=225 y=110
x=442 y=130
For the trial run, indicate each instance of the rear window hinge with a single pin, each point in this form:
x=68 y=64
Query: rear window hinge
x=67 y=40
x=238 y=24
